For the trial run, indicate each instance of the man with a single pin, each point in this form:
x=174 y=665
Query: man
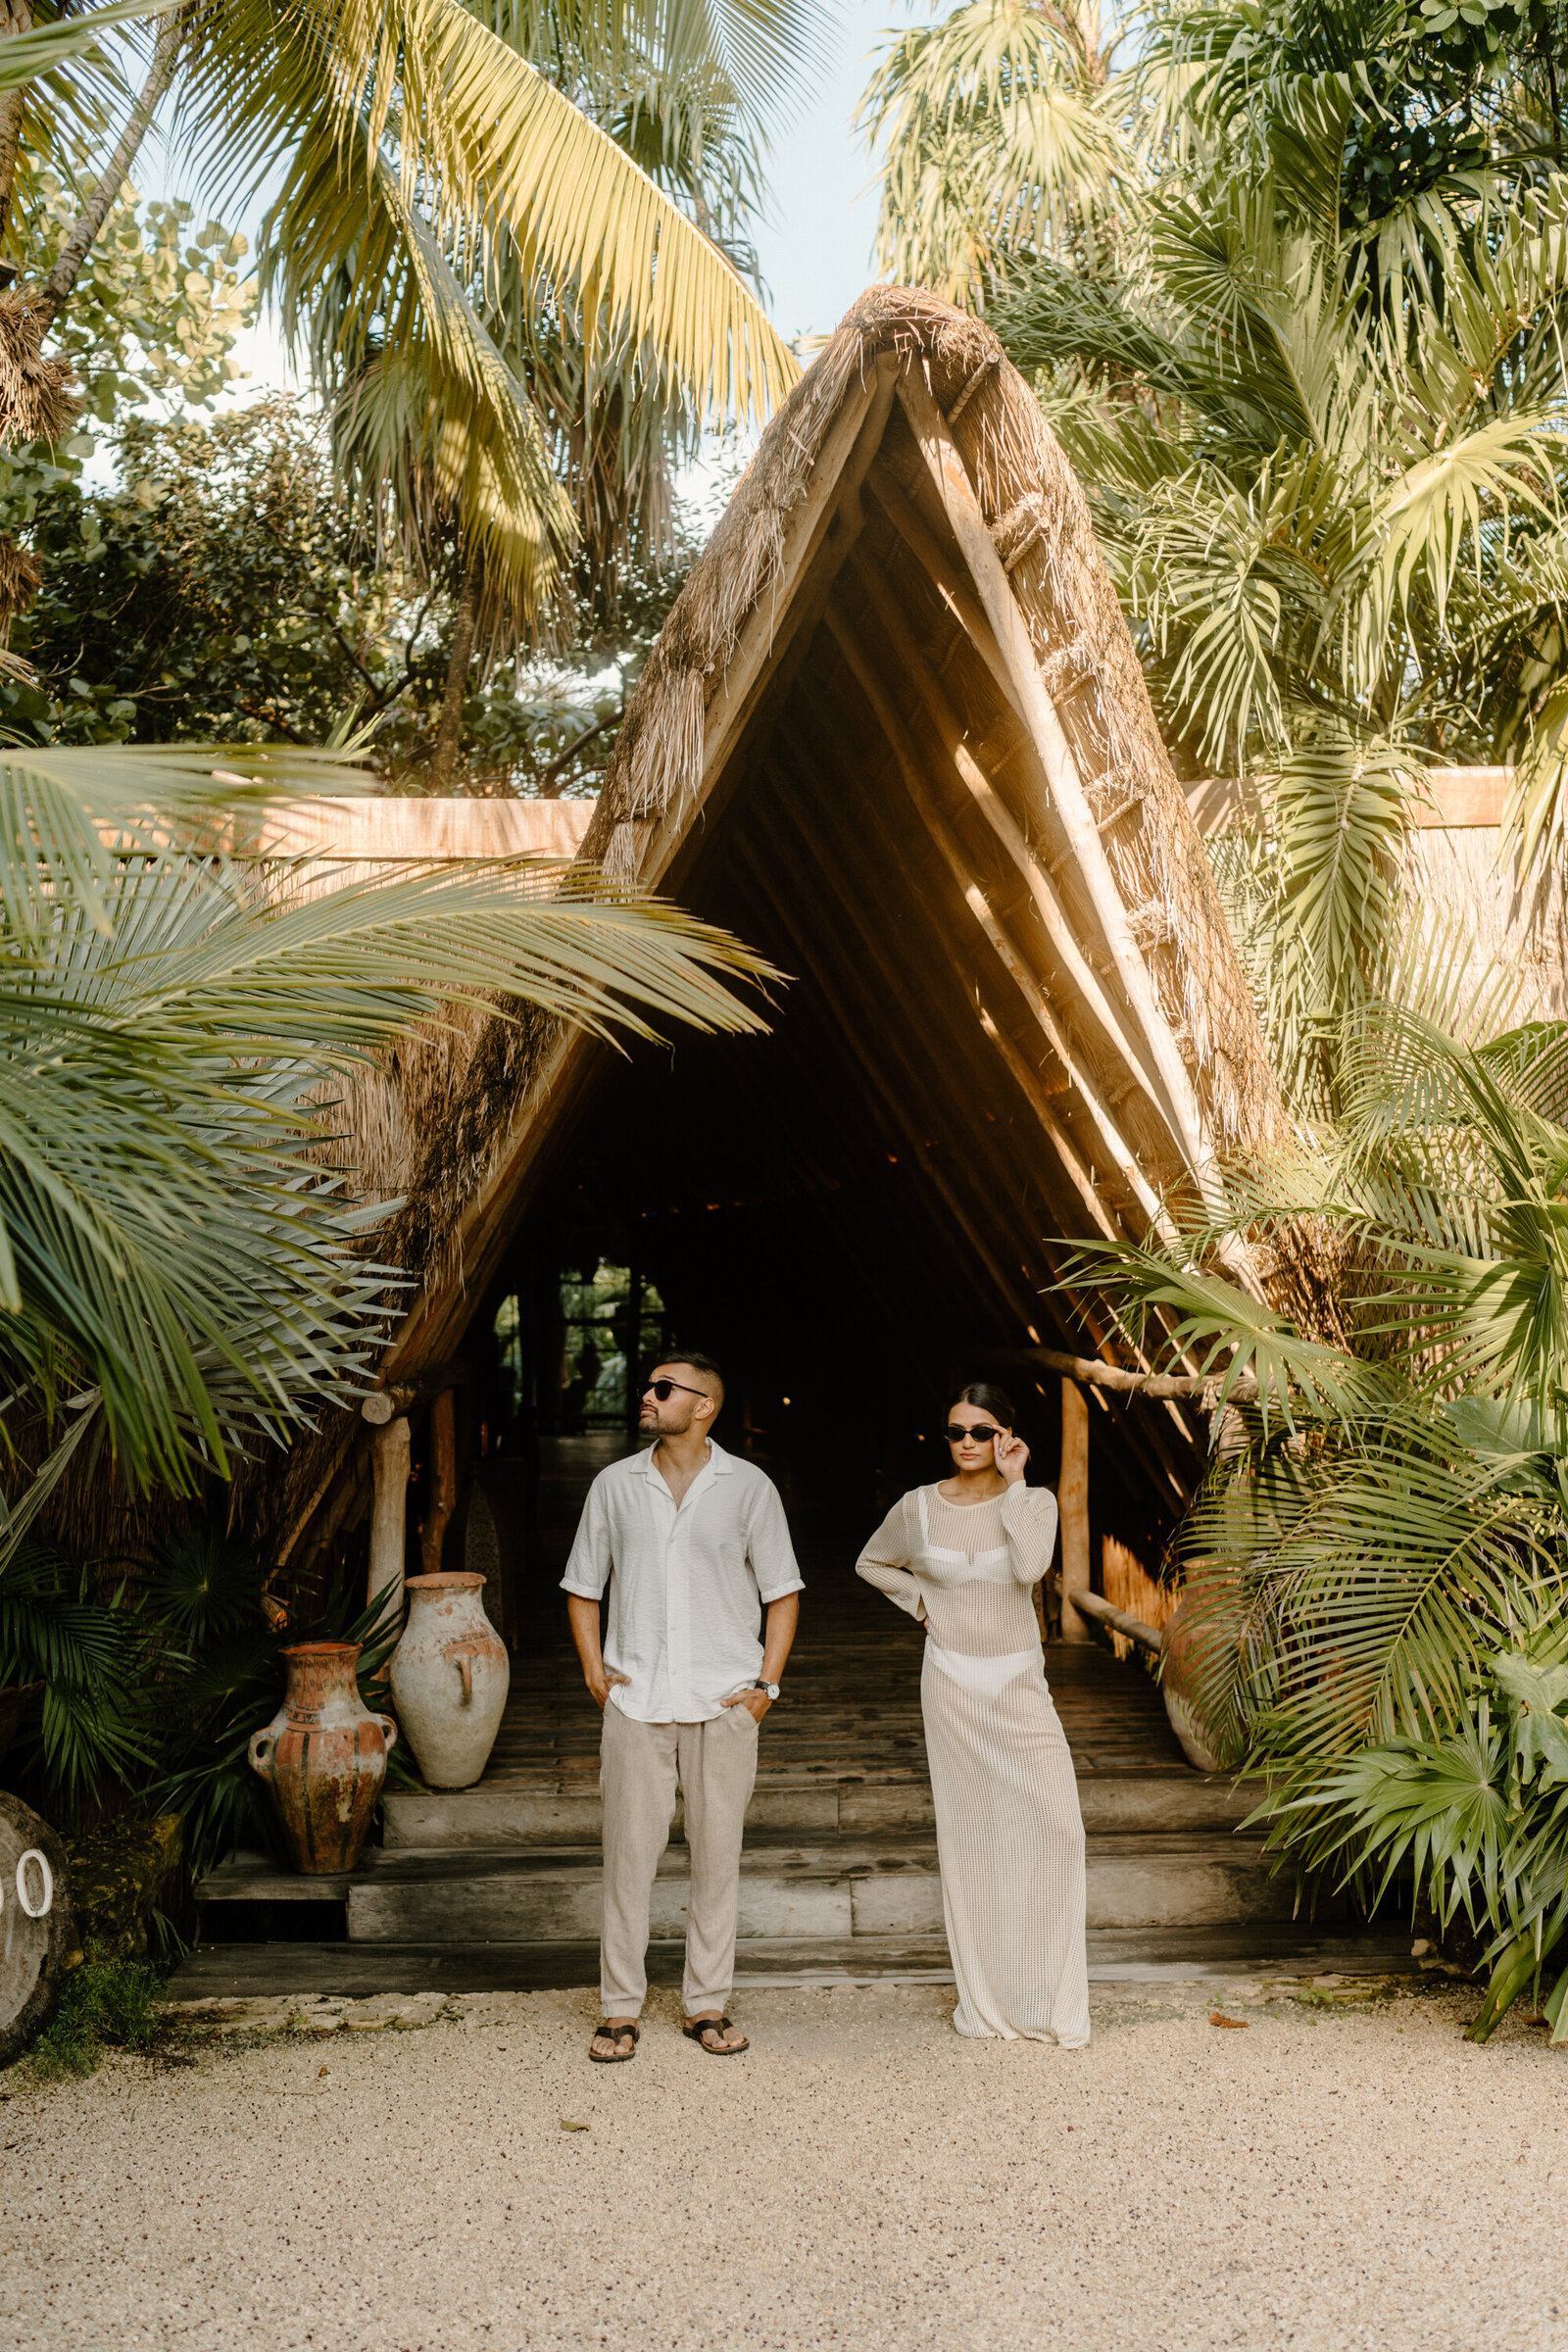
x=697 y=1540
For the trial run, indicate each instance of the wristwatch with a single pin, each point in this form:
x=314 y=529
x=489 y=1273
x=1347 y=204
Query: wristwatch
x=770 y=1687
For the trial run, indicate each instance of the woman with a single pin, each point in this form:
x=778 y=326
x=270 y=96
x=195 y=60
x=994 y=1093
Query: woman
x=962 y=1557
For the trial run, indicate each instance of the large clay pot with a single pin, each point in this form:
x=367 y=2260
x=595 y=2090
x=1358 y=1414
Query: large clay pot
x=1176 y=1689
x=324 y=1757
x=37 y=1937
x=450 y=1675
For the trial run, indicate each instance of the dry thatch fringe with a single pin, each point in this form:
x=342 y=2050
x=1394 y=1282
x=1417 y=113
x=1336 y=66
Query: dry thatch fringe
x=36 y=402
x=20 y=578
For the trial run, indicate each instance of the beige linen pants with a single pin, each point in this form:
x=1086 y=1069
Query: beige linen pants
x=641 y=1766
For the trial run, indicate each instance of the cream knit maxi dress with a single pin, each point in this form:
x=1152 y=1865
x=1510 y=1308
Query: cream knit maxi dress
x=1010 y=1835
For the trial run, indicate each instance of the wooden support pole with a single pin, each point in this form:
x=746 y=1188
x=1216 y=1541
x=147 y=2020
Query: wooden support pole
x=1073 y=1503
x=443 y=1482
x=389 y=1516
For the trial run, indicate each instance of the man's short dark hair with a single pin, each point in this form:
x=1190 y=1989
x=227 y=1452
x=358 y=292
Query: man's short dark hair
x=699 y=1362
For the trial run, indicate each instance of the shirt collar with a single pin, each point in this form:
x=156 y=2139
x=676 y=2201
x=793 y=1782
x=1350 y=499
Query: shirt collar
x=718 y=1462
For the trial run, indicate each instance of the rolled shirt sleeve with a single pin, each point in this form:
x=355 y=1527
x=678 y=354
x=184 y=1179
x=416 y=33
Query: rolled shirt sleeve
x=768 y=1547
x=592 y=1552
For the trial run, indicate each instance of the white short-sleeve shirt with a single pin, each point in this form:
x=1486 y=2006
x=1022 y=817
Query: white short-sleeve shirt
x=685 y=1606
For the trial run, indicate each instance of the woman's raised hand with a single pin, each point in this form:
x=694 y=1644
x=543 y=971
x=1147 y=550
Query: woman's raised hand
x=1012 y=1457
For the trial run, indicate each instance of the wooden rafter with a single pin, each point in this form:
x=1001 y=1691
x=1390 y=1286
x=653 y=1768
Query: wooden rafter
x=1007 y=625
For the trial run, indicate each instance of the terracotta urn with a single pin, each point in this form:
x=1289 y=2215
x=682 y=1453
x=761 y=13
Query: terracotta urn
x=324 y=1757
x=1176 y=1689
x=450 y=1675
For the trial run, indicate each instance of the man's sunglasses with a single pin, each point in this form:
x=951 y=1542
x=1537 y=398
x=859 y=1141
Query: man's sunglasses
x=663 y=1390
x=955 y=1436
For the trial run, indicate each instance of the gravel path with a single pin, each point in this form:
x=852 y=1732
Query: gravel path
x=864 y=2179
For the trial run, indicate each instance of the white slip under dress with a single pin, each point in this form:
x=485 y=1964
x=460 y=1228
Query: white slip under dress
x=1010 y=1833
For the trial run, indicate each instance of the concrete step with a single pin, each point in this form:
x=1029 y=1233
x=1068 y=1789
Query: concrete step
x=884 y=1886
x=492 y=1815
x=1149 y=1956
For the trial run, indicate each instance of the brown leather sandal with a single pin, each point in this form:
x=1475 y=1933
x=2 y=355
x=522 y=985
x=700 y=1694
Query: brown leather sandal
x=700 y=2026
x=605 y=2031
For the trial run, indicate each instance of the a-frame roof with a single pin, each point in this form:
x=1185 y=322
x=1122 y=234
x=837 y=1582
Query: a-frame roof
x=898 y=702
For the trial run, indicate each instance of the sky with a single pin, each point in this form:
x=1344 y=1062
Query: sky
x=815 y=252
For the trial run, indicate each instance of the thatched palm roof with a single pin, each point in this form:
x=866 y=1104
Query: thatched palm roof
x=895 y=731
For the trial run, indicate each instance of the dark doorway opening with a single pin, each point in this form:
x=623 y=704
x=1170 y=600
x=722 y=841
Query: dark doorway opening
x=784 y=1237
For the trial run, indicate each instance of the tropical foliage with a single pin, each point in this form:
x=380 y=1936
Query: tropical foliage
x=187 y=1258
x=1297 y=310
x=177 y=1265
x=1303 y=336
x=508 y=240
x=157 y=1672
x=1377 y=1569
x=997 y=141
x=219 y=590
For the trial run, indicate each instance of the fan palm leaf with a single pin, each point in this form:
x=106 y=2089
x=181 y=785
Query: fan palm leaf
x=995 y=138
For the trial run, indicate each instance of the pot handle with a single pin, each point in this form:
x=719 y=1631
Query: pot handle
x=389 y=1731
x=460 y=1653
x=253 y=1757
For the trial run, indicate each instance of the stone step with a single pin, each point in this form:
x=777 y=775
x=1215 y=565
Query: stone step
x=493 y=1815
x=884 y=1886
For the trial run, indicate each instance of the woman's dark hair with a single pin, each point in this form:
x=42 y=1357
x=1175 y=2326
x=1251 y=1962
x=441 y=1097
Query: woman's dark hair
x=988 y=1400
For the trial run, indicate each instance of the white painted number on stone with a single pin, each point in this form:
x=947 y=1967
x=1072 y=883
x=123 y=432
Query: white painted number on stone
x=46 y=1882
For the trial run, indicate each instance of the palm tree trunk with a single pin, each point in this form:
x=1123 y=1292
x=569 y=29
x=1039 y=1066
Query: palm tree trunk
x=449 y=732
x=57 y=286
x=16 y=16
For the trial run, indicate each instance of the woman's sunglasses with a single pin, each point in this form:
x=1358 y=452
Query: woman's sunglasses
x=956 y=1435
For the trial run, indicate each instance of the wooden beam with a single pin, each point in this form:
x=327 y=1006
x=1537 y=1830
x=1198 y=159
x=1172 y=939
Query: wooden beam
x=1159 y=1385
x=1105 y=1612
x=389 y=1517
x=979 y=906
x=869 y=940
x=947 y=468
x=443 y=1482
x=1009 y=833
x=884 y=858
x=381 y=1404
x=875 y=1065
x=881 y=933
x=946 y=574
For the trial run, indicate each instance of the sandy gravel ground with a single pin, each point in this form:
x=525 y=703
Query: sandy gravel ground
x=1324 y=2178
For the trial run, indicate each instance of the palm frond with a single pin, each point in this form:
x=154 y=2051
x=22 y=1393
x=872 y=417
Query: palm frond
x=28 y=55
x=488 y=142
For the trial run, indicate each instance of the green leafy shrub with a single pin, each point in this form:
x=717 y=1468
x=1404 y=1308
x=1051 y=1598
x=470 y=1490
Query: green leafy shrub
x=115 y=2005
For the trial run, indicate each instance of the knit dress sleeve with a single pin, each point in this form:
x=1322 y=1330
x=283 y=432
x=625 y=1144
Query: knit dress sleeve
x=1029 y=1521
x=885 y=1561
